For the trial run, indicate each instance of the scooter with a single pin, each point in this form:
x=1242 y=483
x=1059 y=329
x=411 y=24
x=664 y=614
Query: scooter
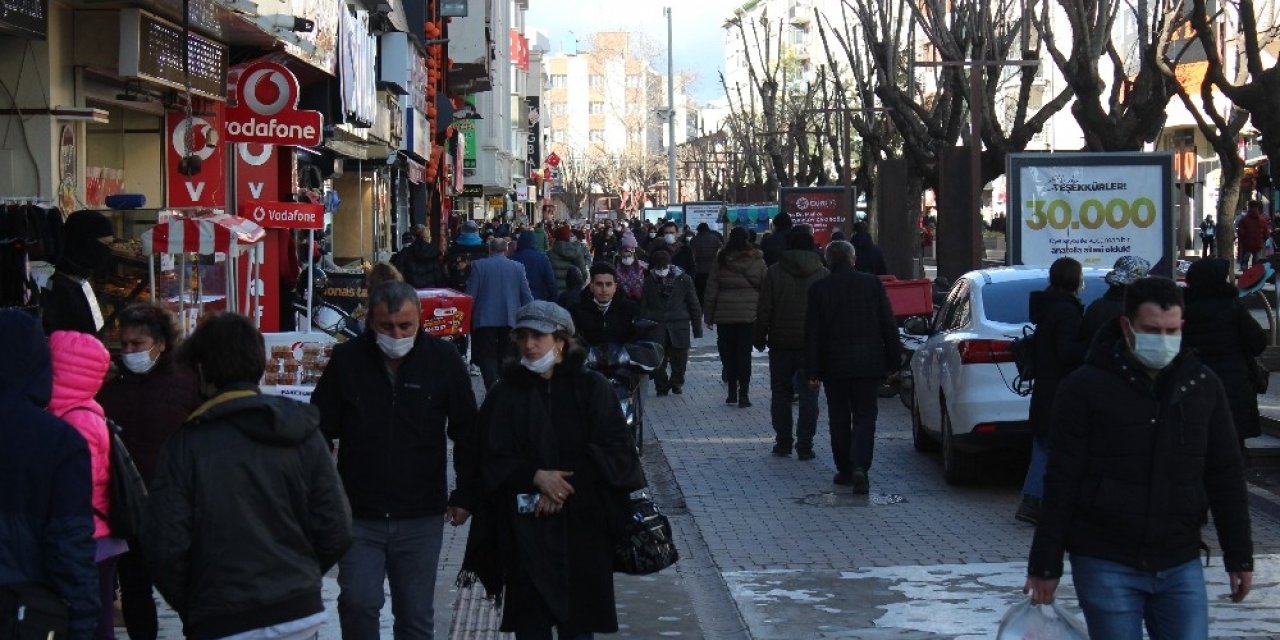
x=627 y=366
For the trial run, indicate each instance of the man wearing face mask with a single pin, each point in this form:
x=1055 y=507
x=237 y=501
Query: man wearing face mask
x=669 y=240
x=391 y=397
x=1143 y=449
x=70 y=304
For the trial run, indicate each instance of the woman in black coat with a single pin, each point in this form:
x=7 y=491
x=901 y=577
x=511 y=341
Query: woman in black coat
x=1060 y=347
x=1225 y=337
x=557 y=464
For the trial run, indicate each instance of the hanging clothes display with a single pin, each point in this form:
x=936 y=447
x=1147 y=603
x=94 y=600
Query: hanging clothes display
x=28 y=231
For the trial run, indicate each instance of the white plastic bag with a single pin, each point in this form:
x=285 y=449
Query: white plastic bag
x=1042 y=622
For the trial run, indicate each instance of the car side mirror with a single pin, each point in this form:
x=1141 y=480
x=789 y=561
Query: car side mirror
x=917 y=326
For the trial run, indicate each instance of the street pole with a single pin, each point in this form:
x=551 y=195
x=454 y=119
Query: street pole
x=671 y=116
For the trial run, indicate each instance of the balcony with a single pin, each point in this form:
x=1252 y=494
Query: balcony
x=800 y=14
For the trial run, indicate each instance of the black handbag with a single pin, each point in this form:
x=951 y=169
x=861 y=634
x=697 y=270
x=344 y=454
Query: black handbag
x=32 y=611
x=646 y=544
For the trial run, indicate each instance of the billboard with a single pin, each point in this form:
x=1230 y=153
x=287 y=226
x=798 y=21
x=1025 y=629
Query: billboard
x=826 y=209
x=696 y=213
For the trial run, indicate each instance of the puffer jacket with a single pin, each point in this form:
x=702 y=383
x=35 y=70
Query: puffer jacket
x=1061 y=346
x=80 y=365
x=419 y=263
x=705 y=247
x=733 y=290
x=565 y=254
x=1138 y=463
x=784 y=298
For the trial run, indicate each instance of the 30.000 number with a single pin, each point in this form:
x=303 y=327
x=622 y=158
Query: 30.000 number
x=1117 y=213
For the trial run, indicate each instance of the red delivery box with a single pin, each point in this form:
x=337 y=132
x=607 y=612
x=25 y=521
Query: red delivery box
x=909 y=297
x=445 y=312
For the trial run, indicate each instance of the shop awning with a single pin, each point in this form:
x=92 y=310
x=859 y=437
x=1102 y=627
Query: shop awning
x=219 y=233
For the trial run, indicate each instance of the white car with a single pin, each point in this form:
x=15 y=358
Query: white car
x=963 y=374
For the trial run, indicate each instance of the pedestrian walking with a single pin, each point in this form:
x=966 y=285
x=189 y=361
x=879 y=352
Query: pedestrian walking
x=733 y=292
x=537 y=267
x=601 y=315
x=775 y=243
x=46 y=485
x=1208 y=235
x=69 y=302
x=870 y=258
x=565 y=253
x=1060 y=347
x=466 y=248
x=668 y=239
x=605 y=245
x=631 y=271
x=574 y=291
x=499 y=288
x=780 y=321
x=149 y=396
x=669 y=299
x=705 y=245
x=555 y=460
x=419 y=261
x=246 y=513
x=80 y=363
x=1226 y=338
x=1143 y=447
x=390 y=397
x=851 y=345
x=1252 y=236
x=1110 y=306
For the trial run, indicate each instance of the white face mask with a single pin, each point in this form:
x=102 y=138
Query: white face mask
x=395 y=348
x=670 y=238
x=1155 y=351
x=628 y=261
x=662 y=273
x=139 y=362
x=541 y=365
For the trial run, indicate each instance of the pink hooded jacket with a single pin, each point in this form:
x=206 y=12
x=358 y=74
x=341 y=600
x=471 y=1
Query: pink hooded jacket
x=80 y=364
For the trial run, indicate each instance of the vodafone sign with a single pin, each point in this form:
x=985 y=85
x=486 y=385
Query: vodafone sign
x=265 y=109
x=284 y=215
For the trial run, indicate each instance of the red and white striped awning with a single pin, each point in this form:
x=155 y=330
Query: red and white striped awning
x=218 y=233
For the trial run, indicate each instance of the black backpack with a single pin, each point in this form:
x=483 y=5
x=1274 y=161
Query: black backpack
x=128 y=491
x=1024 y=359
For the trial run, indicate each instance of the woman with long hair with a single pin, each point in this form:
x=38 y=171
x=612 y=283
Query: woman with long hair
x=733 y=291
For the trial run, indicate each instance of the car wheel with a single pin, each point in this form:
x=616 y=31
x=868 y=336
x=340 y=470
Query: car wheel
x=920 y=438
x=957 y=467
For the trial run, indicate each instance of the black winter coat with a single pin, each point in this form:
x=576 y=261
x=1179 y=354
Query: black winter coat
x=1226 y=339
x=849 y=329
x=1137 y=463
x=419 y=263
x=617 y=325
x=705 y=246
x=556 y=570
x=672 y=302
x=784 y=299
x=1103 y=311
x=1060 y=349
x=775 y=244
x=393 y=452
x=246 y=515
x=65 y=307
x=149 y=408
x=868 y=257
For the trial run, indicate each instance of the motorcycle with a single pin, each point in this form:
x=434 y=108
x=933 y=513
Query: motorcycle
x=627 y=366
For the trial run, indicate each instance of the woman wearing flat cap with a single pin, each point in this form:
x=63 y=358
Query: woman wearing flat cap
x=557 y=464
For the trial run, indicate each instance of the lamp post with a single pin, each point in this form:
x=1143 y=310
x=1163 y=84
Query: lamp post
x=671 y=116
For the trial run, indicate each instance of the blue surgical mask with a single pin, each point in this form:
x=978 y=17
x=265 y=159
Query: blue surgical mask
x=1156 y=350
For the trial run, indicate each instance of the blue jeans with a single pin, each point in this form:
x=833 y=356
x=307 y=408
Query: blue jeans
x=405 y=551
x=1117 y=599
x=1034 y=484
x=786 y=379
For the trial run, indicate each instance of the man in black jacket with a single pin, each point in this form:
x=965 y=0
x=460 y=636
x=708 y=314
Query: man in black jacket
x=246 y=512
x=851 y=344
x=601 y=315
x=390 y=397
x=1143 y=446
x=776 y=243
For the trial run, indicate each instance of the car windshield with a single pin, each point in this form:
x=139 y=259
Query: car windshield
x=1007 y=301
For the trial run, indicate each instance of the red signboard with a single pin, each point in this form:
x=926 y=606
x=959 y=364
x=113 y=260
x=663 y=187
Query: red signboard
x=265 y=109
x=519 y=50
x=284 y=215
x=826 y=209
x=553 y=160
x=257 y=172
x=198 y=139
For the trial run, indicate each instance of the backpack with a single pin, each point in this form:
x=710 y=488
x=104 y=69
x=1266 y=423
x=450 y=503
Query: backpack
x=127 y=489
x=1024 y=359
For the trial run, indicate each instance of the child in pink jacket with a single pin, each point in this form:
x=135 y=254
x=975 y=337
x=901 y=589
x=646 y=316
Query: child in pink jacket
x=80 y=365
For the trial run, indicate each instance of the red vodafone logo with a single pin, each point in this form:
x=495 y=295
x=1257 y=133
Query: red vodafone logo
x=265 y=111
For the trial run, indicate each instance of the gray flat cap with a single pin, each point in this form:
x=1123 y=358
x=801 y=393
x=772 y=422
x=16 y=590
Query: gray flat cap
x=544 y=317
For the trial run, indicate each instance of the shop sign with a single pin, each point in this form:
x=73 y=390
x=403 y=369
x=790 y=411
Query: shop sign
x=553 y=160
x=24 y=18
x=197 y=138
x=696 y=213
x=257 y=168
x=825 y=209
x=265 y=109
x=284 y=215
x=357 y=53
x=453 y=8
x=1094 y=207
x=533 y=139
x=472 y=191
x=519 y=50
x=467 y=131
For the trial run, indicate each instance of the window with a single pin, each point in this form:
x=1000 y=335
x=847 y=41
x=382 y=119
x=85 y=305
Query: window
x=597 y=135
x=557 y=136
x=559 y=109
x=597 y=80
x=596 y=108
x=559 y=81
x=633 y=81
x=1007 y=301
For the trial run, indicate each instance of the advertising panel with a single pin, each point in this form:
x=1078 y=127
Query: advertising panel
x=195 y=142
x=1094 y=207
x=284 y=215
x=265 y=109
x=826 y=209
x=696 y=213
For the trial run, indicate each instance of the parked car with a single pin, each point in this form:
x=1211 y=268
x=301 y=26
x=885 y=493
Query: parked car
x=963 y=374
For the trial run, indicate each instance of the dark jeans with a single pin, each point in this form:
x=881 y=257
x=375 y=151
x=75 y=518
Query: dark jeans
x=136 y=600
x=679 y=361
x=786 y=379
x=404 y=551
x=852 y=410
x=106 y=596
x=700 y=285
x=489 y=345
x=734 y=342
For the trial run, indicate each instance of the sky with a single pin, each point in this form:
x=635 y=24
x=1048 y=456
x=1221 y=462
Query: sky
x=697 y=38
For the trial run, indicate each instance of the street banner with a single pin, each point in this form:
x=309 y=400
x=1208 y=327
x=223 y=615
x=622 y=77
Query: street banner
x=1094 y=207
x=284 y=215
x=192 y=138
x=826 y=209
x=696 y=213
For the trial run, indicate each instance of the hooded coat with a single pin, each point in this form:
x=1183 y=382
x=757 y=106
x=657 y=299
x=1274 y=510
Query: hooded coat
x=537 y=268
x=784 y=298
x=80 y=365
x=246 y=515
x=419 y=263
x=672 y=302
x=565 y=254
x=46 y=513
x=867 y=256
x=1061 y=345
x=733 y=289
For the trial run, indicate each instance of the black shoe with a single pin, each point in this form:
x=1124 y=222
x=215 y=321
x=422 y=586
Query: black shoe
x=732 y=399
x=662 y=392
x=842 y=479
x=861 y=486
x=782 y=450
x=804 y=453
x=743 y=402
x=677 y=390
x=1029 y=510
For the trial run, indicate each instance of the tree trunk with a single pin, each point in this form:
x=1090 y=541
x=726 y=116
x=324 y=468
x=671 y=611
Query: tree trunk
x=1228 y=205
